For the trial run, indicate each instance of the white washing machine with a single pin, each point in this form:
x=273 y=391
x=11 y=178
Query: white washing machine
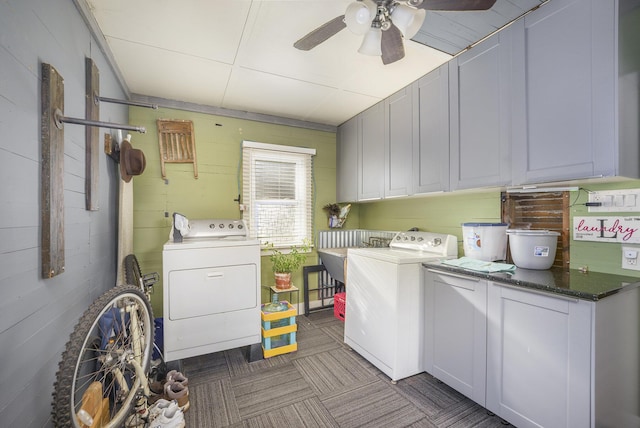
x=384 y=315
x=211 y=288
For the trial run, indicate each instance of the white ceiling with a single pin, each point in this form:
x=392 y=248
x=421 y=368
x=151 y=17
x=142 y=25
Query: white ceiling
x=239 y=55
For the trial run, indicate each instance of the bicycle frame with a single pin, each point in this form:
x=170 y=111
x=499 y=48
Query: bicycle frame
x=134 y=359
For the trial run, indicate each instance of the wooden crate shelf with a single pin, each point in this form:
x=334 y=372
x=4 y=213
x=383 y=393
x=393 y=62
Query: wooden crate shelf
x=279 y=331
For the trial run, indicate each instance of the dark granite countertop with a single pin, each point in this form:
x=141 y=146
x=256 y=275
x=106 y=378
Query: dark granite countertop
x=588 y=286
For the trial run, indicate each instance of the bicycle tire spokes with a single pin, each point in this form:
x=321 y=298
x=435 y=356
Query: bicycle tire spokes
x=115 y=342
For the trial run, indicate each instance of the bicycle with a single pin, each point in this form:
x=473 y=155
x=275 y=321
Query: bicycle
x=102 y=379
x=133 y=275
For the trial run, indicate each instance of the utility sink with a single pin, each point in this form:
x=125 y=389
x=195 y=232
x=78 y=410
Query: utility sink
x=335 y=261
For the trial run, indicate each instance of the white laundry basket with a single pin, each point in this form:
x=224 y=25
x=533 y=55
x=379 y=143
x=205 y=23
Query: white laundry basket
x=485 y=241
x=533 y=249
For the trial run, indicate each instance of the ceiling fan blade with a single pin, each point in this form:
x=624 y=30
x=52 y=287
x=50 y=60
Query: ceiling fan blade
x=457 y=5
x=392 y=45
x=321 y=34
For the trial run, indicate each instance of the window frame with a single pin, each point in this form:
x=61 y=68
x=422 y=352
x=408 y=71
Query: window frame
x=253 y=151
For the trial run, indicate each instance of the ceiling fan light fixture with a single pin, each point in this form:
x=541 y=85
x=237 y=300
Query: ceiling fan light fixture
x=372 y=42
x=359 y=15
x=408 y=19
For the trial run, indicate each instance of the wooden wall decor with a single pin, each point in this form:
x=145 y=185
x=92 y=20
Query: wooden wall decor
x=177 y=143
x=540 y=210
x=52 y=173
x=92 y=137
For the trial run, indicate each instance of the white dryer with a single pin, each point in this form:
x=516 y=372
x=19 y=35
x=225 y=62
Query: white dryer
x=384 y=315
x=211 y=288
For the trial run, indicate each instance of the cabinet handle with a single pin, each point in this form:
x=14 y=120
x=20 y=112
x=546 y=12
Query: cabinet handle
x=468 y=278
x=550 y=294
x=215 y=275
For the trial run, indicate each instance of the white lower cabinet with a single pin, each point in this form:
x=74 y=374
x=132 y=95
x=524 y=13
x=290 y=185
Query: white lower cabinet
x=535 y=359
x=455 y=332
x=538 y=358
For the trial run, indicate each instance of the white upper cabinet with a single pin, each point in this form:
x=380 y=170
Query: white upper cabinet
x=371 y=153
x=347 y=161
x=431 y=132
x=480 y=120
x=565 y=93
x=551 y=97
x=398 y=144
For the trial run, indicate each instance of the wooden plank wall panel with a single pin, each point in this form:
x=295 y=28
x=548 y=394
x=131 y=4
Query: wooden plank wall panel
x=52 y=175
x=92 y=136
x=541 y=210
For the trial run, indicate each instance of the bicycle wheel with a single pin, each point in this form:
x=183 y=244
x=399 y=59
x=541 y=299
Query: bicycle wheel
x=132 y=271
x=112 y=337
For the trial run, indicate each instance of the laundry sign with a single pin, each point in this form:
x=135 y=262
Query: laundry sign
x=607 y=229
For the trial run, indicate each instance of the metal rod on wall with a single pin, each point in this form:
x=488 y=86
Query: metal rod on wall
x=129 y=103
x=59 y=119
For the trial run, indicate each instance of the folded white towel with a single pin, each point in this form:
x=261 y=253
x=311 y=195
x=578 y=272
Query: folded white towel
x=480 y=265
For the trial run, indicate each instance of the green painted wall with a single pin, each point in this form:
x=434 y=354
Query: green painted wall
x=211 y=195
x=444 y=213
x=599 y=256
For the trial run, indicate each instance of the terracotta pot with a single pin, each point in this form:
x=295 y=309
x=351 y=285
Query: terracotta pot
x=283 y=280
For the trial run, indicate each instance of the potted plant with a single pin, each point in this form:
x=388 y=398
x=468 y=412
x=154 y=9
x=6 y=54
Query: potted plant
x=337 y=214
x=285 y=263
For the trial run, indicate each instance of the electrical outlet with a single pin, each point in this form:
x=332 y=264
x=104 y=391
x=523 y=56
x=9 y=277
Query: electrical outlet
x=624 y=200
x=630 y=258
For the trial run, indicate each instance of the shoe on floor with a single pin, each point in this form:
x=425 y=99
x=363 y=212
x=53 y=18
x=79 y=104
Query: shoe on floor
x=157 y=387
x=176 y=391
x=170 y=417
x=177 y=376
x=161 y=406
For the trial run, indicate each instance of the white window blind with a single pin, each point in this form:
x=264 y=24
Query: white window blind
x=277 y=193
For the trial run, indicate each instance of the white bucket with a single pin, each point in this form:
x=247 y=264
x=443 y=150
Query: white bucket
x=485 y=241
x=533 y=249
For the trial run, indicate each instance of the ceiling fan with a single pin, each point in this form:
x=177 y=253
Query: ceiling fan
x=384 y=23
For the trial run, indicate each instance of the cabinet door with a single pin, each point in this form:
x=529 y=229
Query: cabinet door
x=456 y=331
x=431 y=132
x=538 y=358
x=565 y=102
x=347 y=161
x=479 y=84
x=371 y=153
x=398 y=143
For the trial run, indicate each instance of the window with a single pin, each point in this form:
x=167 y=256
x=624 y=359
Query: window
x=277 y=192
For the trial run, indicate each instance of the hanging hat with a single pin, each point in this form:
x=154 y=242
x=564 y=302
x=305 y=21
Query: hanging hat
x=132 y=161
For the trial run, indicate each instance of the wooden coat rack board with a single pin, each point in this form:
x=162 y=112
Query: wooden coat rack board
x=52 y=172
x=91 y=135
x=52 y=165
